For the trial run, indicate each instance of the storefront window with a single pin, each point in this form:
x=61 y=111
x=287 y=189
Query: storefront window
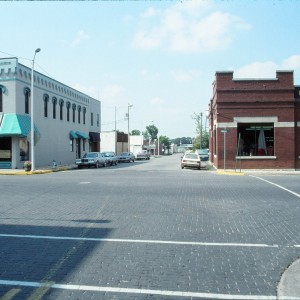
x=5 y=148
x=256 y=139
x=23 y=145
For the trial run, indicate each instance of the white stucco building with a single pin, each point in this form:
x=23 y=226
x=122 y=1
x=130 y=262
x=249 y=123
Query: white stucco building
x=67 y=122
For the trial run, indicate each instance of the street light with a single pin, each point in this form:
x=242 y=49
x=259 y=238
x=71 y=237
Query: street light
x=129 y=106
x=32 y=111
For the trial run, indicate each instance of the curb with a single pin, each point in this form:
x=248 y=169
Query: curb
x=36 y=172
x=230 y=173
x=289 y=285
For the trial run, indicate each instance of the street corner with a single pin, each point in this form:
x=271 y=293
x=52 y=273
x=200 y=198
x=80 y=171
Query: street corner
x=234 y=173
x=289 y=285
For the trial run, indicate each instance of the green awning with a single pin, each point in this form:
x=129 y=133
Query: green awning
x=82 y=135
x=16 y=125
x=73 y=135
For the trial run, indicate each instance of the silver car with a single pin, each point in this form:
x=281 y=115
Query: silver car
x=126 y=157
x=89 y=159
x=112 y=158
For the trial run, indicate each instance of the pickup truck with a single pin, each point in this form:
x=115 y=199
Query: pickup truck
x=143 y=154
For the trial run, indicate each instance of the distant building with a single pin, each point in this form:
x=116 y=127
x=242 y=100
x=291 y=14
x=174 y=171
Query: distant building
x=67 y=122
x=255 y=123
x=113 y=141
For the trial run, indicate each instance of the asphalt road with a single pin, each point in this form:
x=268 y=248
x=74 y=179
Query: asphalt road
x=146 y=230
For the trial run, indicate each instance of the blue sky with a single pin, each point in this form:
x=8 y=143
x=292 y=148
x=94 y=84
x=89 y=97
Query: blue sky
x=159 y=56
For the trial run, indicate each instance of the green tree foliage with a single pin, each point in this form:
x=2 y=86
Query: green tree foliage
x=202 y=139
x=135 y=132
x=165 y=141
x=182 y=140
x=152 y=131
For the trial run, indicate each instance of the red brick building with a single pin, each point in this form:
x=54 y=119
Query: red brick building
x=255 y=123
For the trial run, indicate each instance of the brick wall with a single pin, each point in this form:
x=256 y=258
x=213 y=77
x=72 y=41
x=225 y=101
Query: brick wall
x=251 y=99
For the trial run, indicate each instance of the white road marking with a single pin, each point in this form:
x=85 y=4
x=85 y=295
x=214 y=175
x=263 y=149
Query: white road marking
x=76 y=287
x=277 y=185
x=137 y=241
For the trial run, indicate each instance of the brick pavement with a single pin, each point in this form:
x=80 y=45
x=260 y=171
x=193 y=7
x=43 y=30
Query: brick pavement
x=166 y=206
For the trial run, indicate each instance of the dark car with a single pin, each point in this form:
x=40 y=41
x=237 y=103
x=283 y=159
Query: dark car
x=126 y=157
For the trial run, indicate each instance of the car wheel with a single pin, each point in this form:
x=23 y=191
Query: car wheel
x=182 y=167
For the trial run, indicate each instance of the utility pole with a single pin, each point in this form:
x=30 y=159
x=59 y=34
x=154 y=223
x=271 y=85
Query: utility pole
x=201 y=130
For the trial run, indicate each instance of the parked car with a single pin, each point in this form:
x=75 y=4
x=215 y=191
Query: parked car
x=191 y=160
x=89 y=159
x=112 y=158
x=203 y=153
x=126 y=157
x=143 y=154
x=204 y=157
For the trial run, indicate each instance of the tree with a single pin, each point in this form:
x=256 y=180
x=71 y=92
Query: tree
x=152 y=131
x=165 y=141
x=182 y=140
x=202 y=138
x=135 y=132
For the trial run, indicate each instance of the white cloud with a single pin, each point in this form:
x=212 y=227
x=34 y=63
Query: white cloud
x=89 y=90
x=184 y=76
x=292 y=62
x=187 y=27
x=267 y=69
x=79 y=38
x=257 y=70
x=112 y=91
x=157 y=101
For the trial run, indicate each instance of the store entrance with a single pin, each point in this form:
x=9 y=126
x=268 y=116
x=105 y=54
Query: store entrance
x=5 y=152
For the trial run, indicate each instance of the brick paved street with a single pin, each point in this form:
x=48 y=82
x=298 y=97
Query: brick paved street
x=147 y=230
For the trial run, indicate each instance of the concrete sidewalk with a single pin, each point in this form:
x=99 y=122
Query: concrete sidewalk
x=39 y=170
x=289 y=285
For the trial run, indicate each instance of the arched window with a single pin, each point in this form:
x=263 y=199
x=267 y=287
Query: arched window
x=61 y=105
x=27 y=95
x=74 y=109
x=68 y=105
x=46 y=100
x=54 y=102
x=79 y=111
x=2 y=91
x=84 y=112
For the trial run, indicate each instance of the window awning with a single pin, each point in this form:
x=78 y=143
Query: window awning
x=17 y=125
x=82 y=135
x=73 y=135
x=94 y=136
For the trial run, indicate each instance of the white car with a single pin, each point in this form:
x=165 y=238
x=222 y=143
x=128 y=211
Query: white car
x=191 y=160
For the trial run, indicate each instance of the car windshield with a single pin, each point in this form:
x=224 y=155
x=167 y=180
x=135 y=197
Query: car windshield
x=203 y=151
x=124 y=154
x=90 y=155
x=191 y=156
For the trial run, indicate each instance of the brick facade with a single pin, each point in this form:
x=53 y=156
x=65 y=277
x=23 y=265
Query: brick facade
x=261 y=118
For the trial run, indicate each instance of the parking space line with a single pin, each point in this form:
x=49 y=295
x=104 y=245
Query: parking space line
x=277 y=185
x=141 y=291
x=139 y=241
